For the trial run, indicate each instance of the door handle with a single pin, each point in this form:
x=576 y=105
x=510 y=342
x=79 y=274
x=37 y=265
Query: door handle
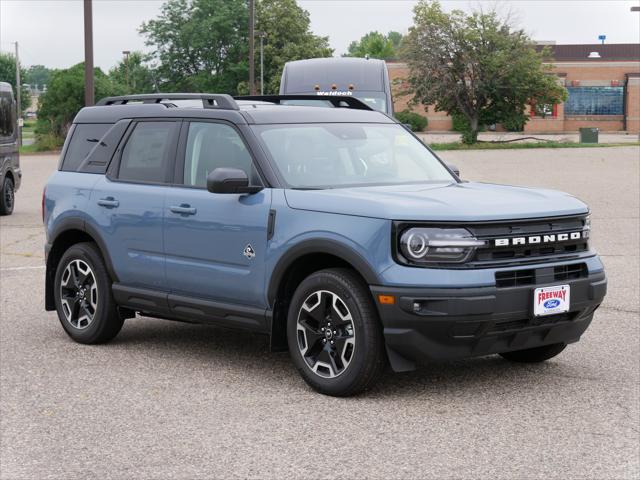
x=183 y=209
x=108 y=202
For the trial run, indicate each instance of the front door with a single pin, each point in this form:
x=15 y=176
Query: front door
x=215 y=244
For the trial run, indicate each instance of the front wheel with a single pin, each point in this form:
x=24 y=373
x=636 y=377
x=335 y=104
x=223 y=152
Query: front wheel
x=83 y=297
x=535 y=355
x=335 y=338
x=7 y=196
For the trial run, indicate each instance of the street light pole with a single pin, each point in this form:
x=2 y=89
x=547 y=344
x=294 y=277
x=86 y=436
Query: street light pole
x=89 y=94
x=18 y=97
x=252 y=74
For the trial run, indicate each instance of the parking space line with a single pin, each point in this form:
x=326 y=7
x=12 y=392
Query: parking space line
x=13 y=269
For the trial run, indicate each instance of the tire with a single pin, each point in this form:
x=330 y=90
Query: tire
x=356 y=358
x=7 y=196
x=535 y=355
x=83 y=297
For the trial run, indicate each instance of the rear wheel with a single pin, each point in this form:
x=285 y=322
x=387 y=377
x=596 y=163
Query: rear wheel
x=335 y=338
x=83 y=297
x=7 y=196
x=535 y=355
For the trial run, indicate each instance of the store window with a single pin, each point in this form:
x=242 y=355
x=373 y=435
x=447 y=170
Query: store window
x=544 y=110
x=595 y=101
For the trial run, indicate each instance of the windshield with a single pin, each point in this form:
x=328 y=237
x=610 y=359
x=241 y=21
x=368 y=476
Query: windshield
x=327 y=155
x=376 y=100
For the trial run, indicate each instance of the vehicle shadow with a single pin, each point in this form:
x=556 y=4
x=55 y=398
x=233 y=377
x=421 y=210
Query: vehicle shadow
x=247 y=354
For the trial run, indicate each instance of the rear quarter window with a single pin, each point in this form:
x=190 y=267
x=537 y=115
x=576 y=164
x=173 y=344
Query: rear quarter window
x=85 y=137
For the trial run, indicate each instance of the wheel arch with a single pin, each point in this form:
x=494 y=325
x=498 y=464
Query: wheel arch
x=300 y=262
x=68 y=233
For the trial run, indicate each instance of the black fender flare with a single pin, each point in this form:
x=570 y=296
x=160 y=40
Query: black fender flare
x=65 y=225
x=315 y=246
x=76 y=223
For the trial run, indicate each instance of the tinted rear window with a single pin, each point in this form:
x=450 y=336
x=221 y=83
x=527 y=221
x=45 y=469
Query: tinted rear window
x=85 y=137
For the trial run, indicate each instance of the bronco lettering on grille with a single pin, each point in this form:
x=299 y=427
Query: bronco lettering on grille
x=540 y=239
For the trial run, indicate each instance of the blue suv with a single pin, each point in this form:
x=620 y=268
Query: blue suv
x=332 y=229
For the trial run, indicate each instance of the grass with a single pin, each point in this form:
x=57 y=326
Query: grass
x=524 y=145
x=30 y=149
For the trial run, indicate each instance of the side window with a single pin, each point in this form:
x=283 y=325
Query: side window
x=7 y=117
x=85 y=137
x=147 y=155
x=211 y=146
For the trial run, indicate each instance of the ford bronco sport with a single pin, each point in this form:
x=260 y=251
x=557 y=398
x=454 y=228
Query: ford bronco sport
x=335 y=231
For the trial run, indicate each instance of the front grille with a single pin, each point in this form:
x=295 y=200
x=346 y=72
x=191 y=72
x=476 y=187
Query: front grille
x=515 y=278
x=570 y=272
x=532 y=276
x=522 y=254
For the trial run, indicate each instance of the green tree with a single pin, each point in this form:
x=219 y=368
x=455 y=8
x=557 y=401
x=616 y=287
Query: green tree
x=134 y=75
x=477 y=66
x=199 y=45
x=288 y=37
x=38 y=75
x=396 y=39
x=376 y=45
x=65 y=97
x=8 y=74
x=202 y=45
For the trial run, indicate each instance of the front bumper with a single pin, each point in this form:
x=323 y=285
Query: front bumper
x=451 y=323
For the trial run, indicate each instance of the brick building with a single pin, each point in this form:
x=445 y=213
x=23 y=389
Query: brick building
x=603 y=82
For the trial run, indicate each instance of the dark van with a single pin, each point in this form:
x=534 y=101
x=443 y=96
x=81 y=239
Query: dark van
x=366 y=79
x=10 y=173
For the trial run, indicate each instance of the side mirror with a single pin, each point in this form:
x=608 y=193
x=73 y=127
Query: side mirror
x=454 y=169
x=230 y=180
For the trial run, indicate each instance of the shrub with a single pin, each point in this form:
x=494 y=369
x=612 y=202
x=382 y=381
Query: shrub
x=418 y=122
x=514 y=123
x=48 y=141
x=459 y=123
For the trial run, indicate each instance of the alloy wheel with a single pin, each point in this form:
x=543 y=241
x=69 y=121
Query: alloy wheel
x=326 y=334
x=79 y=294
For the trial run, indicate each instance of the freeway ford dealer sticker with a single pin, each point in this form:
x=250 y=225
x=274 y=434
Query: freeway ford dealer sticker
x=551 y=300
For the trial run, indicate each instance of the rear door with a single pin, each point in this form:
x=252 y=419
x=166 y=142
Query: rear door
x=128 y=203
x=215 y=244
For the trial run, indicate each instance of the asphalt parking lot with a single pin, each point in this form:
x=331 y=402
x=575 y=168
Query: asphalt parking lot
x=172 y=400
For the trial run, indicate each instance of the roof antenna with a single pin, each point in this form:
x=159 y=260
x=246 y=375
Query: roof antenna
x=366 y=57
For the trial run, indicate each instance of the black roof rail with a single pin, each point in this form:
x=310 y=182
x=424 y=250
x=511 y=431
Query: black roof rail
x=209 y=100
x=337 y=101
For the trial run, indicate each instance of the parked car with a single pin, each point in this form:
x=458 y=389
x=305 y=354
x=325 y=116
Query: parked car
x=335 y=231
x=10 y=173
x=364 y=78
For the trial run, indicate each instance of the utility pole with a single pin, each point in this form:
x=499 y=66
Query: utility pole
x=262 y=35
x=126 y=65
x=252 y=73
x=18 y=98
x=89 y=91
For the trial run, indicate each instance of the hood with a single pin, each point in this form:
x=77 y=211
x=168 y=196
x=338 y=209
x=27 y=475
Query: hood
x=467 y=201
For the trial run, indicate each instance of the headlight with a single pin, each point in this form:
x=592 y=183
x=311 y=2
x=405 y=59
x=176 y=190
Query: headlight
x=425 y=246
x=587 y=227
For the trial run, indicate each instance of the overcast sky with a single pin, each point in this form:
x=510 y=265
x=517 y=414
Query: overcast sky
x=50 y=32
